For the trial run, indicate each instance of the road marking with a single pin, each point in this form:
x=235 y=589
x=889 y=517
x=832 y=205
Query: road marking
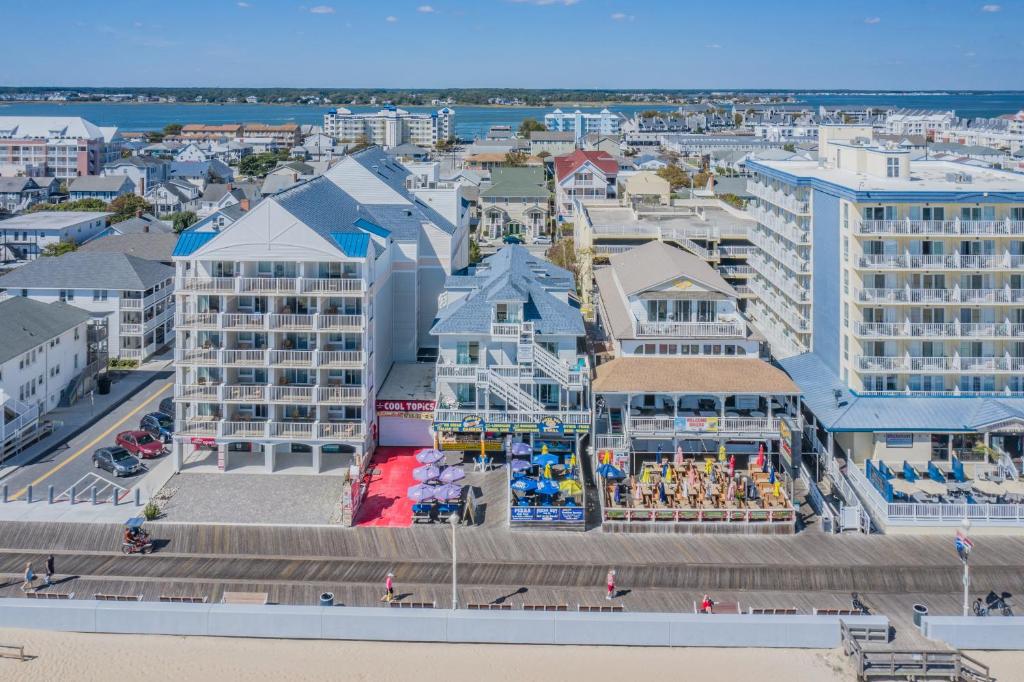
x=97 y=439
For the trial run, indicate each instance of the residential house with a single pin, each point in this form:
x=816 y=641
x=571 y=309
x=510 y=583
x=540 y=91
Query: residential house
x=517 y=202
x=26 y=235
x=174 y=196
x=143 y=171
x=103 y=187
x=20 y=194
x=650 y=162
x=192 y=152
x=132 y=296
x=220 y=195
x=141 y=223
x=154 y=245
x=644 y=187
x=555 y=143
x=200 y=173
x=583 y=175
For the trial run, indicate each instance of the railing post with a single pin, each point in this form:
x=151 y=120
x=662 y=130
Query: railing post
x=138 y=497
x=49 y=494
x=73 y=493
x=29 y=493
x=92 y=495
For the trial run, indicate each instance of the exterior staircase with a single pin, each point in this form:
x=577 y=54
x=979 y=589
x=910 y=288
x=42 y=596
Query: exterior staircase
x=515 y=397
x=533 y=355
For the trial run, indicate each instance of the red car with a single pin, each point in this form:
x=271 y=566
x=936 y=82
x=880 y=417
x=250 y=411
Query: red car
x=140 y=444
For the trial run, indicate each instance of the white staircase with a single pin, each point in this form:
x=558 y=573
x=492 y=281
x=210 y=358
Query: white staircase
x=526 y=345
x=16 y=416
x=532 y=355
x=677 y=236
x=515 y=397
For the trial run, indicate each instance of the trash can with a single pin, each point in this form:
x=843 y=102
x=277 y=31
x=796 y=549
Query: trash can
x=920 y=610
x=327 y=599
x=103 y=384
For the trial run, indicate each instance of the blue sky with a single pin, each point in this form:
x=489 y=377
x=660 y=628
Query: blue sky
x=895 y=44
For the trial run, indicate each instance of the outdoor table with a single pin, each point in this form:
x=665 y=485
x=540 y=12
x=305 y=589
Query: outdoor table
x=930 y=487
x=988 y=487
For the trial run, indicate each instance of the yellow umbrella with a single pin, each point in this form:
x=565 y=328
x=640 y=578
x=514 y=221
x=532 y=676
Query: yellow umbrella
x=544 y=449
x=572 y=461
x=570 y=486
x=646 y=476
x=721 y=452
x=708 y=463
x=668 y=475
x=776 y=490
x=547 y=470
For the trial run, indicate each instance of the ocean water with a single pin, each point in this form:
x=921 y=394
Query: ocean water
x=470 y=121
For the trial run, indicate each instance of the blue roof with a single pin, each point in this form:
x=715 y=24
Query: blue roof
x=353 y=244
x=190 y=241
x=848 y=411
x=512 y=274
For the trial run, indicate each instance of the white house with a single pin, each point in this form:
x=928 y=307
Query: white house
x=28 y=234
x=173 y=196
x=102 y=187
x=583 y=175
x=144 y=171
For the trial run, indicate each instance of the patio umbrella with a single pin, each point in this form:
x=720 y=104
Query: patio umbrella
x=691 y=476
x=547 y=487
x=452 y=474
x=544 y=460
x=449 y=492
x=520 y=465
x=760 y=455
x=570 y=486
x=679 y=455
x=429 y=456
x=544 y=449
x=572 y=461
x=610 y=471
x=524 y=485
x=521 y=449
x=422 y=493
x=547 y=470
x=646 y=476
x=721 y=452
x=427 y=472
x=771 y=475
x=777 y=485
x=732 y=464
x=668 y=474
x=730 y=492
x=708 y=465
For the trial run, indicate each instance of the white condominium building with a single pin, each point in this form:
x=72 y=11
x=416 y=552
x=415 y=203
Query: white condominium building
x=602 y=123
x=290 y=317
x=391 y=126
x=918 y=122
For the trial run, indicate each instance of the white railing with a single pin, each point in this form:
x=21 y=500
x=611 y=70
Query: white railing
x=223 y=285
x=339 y=358
x=198 y=392
x=268 y=285
x=243 y=321
x=196 y=428
x=131 y=328
x=292 y=358
x=724 y=328
x=576 y=417
x=131 y=303
x=682 y=238
x=341 y=395
x=446 y=371
x=780 y=279
x=247 y=358
x=332 y=285
x=243 y=393
x=784 y=310
x=507 y=390
x=736 y=270
x=611 y=442
x=781 y=226
x=954 y=295
x=957 y=363
x=290 y=321
x=668 y=424
x=250 y=429
x=505 y=330
x=955 y=227
x=208 y=320
x=339 y=430
x=910 y=261
x=788 y=256
x=291 y=394
x=303 y=430
x=340 y=322
x=736 y=251
x=197 y=356
x=777 y=197
x=955 y=329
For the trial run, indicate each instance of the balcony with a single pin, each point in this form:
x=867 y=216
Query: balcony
x=197 y=320
x=505 y=330
x=341 y=395
x=237 y=393
x=948 y=330
x=267 y=285
x=954 y=228
x=779 y=198
x=292 y=358
x=784 y=310
x=957 y=363
x=753 y=427
x=457 y=372
x=909 y=261
x=243 y=321
x=332 y=285
x=781 y=226
x=244 y=358
x=780 y=279
x=292 y=322
x=698 y=330
x=954 y=295
x=293 y=395
x=275 y=322
x=575 y=417
x=787 y=256
x=206 y=285
x=270 y=285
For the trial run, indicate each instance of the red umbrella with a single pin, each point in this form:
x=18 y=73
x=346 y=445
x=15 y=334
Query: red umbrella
x=760 y=455
x=732 y=464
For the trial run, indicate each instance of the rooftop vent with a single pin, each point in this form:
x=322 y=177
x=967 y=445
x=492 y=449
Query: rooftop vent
x=959 y=177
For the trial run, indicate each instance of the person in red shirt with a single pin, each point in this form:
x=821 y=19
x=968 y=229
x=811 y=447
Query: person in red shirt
x=707 y=605
x=389 y=586
x=611 y=584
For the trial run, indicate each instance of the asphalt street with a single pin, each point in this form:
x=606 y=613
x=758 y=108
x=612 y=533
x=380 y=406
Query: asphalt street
x=70 y=464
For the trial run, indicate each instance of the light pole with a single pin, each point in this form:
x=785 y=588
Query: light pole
x=964 y=546
x=453 y=521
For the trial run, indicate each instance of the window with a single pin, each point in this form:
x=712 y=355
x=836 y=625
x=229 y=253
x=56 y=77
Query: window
x=99 y=294
x=76 y=333
x=467 y=353
x=892 y=167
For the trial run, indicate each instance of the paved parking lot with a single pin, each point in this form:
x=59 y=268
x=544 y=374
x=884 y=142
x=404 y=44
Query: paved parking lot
x=251 y=498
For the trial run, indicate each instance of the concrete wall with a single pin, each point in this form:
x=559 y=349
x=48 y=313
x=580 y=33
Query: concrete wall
x=430 y=625
x=992 y=633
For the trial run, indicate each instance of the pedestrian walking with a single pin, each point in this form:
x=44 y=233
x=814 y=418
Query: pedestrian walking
x=706 y=605
x=30 y=578
x=48 y=573
x=611 y=584
x=389 y=588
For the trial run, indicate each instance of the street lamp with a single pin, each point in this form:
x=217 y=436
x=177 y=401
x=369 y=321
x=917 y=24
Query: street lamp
x=964 y=546
x=453 y=521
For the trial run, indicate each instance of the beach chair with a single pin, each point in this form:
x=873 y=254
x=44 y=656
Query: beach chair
x=421 y=512
x=935 y=473
x=958 y=471
x=909 y=472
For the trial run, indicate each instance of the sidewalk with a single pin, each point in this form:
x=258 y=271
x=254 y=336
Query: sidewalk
x=70 y=421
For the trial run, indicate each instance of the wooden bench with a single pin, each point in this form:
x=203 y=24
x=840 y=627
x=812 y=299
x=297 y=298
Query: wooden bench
x=837 y=612
x=489 y=607
x=720 y=607
x=49 y=595
x=117 y=597
x=545 y=607
x=244 y=598
x=11 y=651
x=182 y=600
x=604 y=608
x=412 y=604
x=771 y=612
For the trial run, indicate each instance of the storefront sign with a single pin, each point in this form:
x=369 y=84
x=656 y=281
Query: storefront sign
x=899 y=440
x=705 y=424
x=546 y=515
x=405 y=405
x=550 y=426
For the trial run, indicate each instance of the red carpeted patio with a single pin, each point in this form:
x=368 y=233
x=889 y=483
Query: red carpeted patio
x=386 y=502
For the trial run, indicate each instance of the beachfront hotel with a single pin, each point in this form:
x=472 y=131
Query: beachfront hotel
x=391 y=126
x=893 y=292
x=679 y=382
x=582 y=124
x=290 y=318
x=61 y=146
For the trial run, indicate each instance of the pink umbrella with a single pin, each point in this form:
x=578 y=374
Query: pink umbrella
x=428 y=472
x=732 y=464
x=452 y=474
x=679 y=455
x=429 y=456
x=760 y=455
x=691 y=476
x=448 y=492
x=730 y=493
x=422 y=493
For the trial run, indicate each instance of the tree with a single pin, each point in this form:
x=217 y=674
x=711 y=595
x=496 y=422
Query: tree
x=675 y=175
x=172 y=129
x=182 y=220
x=258 y=165
x=78 y=205
x=789 y=147
x=128 y=206
x=54 y=249
x=700 y=180
x=563 y=254
x=737 y=119
x=528 y=126
x=515 y=158
x=474 y=252
x=543 y=155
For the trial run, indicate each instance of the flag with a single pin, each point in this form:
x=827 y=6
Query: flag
x=963 y=544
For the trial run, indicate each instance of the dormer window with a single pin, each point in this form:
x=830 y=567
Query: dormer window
x=504 y=312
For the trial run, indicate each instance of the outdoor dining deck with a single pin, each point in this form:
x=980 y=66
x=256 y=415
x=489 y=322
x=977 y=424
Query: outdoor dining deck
x=546 y=485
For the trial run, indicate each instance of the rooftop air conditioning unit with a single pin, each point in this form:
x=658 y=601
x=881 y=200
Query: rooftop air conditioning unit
x=959 y=177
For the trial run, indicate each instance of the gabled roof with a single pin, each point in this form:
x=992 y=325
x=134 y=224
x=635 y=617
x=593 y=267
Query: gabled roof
x=656 y=262
x=512 y=274
x=29 y=323
x=157 y=246
x=8 y=185
x=82 y=270
x=100 y=183
x=570 y=163
x=517 y=182
x=141 y=225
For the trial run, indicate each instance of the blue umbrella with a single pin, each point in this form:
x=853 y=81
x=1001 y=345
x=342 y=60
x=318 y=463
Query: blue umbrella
x=520 y=465
x=525 y=485
x=771 y=476
x=452 y=474
x=544 y=460
x=547 y=487
x=521 y=449
x=429 y=456
x=422 y=493
x=609 y=471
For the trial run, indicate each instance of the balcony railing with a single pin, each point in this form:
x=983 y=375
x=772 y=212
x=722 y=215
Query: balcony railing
x=270 y=285
x=341 y=395
x=908 y=261
x=791 y=258
x=956 y=329
x=505 y=330
x=720 y=329
x=781 y=225
x=577 y=417
x=984 y=365
x=754 y=426
x=257 y=321
x=463 y=372
x=267 y=357
x=784 y=310
x=954 y=295
x=777 y=197
x=955 y=227
x=780 y=279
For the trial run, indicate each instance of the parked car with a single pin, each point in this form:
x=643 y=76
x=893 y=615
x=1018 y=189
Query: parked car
x=140 y=444
x=542 y=239
x=117 y=461
x=511 y=239
x=167 y=407
x=158 y=425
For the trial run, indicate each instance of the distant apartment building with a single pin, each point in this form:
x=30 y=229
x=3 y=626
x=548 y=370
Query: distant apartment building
x=61 y=146
x=582 y=124
x=132 y=296
x=391 y=126
x=25 y=236
x=918 y=122
x=210 y=133
x=1005 y=132
x=284 y=135
x=555 y=143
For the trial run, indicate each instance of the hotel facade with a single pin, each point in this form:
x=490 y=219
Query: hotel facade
x=391 y=126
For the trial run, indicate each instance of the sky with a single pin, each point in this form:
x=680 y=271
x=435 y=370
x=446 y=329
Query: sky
x=635 y=44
